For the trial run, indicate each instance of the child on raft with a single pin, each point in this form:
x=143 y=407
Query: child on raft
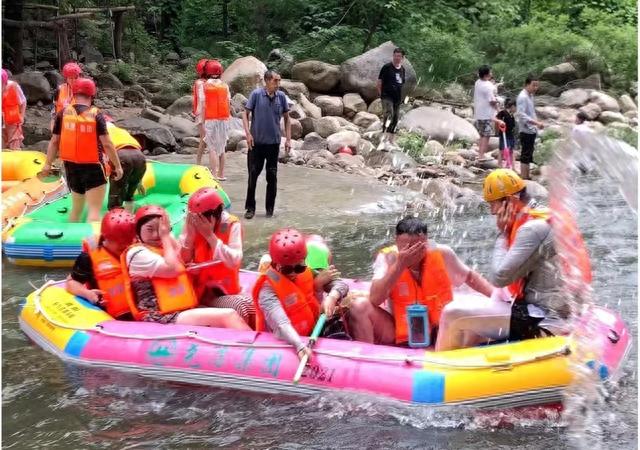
x=157 y=286
x=288 y=296
x=212 y=234
x=97 y=274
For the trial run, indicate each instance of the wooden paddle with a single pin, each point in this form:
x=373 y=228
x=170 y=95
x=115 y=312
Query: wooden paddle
x=312 y=340
x=202 y=265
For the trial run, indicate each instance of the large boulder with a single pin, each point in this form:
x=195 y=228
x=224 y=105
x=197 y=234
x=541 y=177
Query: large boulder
x=574 y=98
x=233 y=139
x=183 y=105
x=394 y=160
x=91 y=54
x=244 y=75
x=364 y=119
x=294 y=88
x=560 y=73
x=360 y=73
x=54 y=78
x=297 y=112
x=106 y=80
x=317 y=75
x=310 y=109
x=281 y=61
x=313 y=141
x=627 y=104
x=591 y=110
x=238 y=102
x=296 y=128
x=547 y=112
x=604 y=101
x=165 y=98
x=353 y=104
x=308 y=125
x=329 y=105
x=611 y=116
x=154 y=134
x=180 y=127
x=547 y=88
x=593 y=81
x=341 y=139
x=457 y=93
x=375 y=107
x=35 y=86
x=438 y=124
x=326 y=126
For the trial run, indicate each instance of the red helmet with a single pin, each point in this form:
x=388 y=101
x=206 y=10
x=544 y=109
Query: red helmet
x=5 y=76
x=287 y=247
x=71 y=70
x=149 y=210
x=85 y=86
x=200 y=67
x=118 y=225
x=213 y=67
x=204 y=199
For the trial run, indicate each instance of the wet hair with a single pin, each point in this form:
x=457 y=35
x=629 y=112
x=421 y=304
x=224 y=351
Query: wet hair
x=399 y=50
x=269 y=74
x=483 y=71
x=144 y=221
x=530 y=79
x=411 y=225
x=581 y=116
x=508 y=103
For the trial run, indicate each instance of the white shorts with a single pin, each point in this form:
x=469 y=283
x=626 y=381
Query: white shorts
x=216 y=133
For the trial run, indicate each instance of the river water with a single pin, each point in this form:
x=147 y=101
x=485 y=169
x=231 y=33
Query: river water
x=50 y=404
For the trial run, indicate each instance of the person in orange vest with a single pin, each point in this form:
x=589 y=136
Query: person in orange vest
x=212 y=234
x=14 y=108
x=214 y=110
x=80 y=134
x=288 y=297
x=409 y=272
x=97 y=273
x=194 y=109
x=63 y=95
x=134 y=166
x=157 y=286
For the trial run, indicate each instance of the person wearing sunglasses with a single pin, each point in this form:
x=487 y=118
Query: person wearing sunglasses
x=212 y=234
x=289 y=296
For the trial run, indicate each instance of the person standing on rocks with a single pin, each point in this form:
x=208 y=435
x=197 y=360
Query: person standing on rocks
x=528 y=124
x=196 y=84
x=485 y=107
x=390 y=82
x=214 y=112
x=63 y=95
x=265 y=107
x=14 y=108
x=80 y=134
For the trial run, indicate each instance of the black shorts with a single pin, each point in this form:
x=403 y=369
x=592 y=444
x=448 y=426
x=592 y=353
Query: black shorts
x=527 y=141
x=84 y=177
x=134 y=165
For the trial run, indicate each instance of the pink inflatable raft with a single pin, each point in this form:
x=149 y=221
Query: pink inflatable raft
x=533 y=372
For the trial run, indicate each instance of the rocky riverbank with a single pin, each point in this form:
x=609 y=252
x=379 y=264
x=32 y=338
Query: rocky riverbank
x=333 y=107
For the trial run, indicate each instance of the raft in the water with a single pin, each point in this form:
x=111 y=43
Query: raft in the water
x=22 y=189
x=533 y=372
x=44 y=237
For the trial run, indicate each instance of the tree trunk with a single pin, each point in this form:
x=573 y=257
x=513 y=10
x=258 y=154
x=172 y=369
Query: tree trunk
x=63 y=44
x=118 y=18
x=13 y=35
x=225 y=18
x=372 y=30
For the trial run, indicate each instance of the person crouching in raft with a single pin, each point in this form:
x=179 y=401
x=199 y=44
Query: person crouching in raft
x=413 y=271
x=157 y=286
x=97 y=273
x=287 y=295
x=212 y=234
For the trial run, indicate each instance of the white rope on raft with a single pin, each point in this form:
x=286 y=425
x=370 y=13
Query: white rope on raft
x=407 y=359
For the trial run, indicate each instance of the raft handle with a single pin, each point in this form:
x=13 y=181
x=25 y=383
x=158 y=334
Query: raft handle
x=613 y=336
x=57 y=235
x=63 y=210
x=196 y=176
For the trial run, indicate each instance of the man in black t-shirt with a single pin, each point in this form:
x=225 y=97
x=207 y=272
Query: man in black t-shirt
x=390 y=82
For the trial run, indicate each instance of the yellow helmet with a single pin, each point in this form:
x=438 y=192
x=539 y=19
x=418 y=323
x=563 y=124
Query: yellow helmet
x=501 y=183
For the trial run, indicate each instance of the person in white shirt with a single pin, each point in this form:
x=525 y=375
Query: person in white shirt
x=485 y=107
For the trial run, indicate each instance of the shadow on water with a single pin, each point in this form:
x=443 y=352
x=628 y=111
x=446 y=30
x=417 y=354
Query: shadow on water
x=47 y=403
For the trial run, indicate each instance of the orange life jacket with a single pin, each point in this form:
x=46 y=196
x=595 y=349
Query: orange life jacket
x=121 y=138
x=219 y=276
x=568 y=229
x=108 y=274
x=172 y=294
x=79 y=136
x=194 y=94
x=65 y=97
x=11 y=104
x=216 y=101
x=434 y=291
x=298 y=299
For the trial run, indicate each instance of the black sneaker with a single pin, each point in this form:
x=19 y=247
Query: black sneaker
x=249 y=214
x=269 y=214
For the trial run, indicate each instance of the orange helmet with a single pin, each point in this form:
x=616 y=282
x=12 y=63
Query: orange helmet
x=287 y=247
x=85 y=86
x=200 y=67
x=204 y=199
x=71 y=70
x=213 y=67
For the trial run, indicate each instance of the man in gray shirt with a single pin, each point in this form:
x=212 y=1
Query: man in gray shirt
x=528 y=124
x=265 y=107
